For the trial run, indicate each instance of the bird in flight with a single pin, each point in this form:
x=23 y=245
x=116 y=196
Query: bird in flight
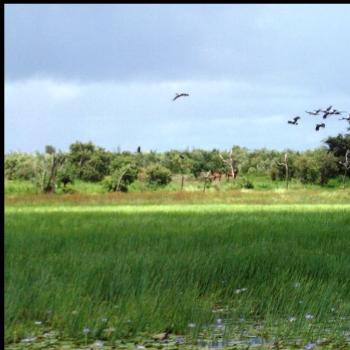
x=315 y=112
x=318 y=126
x=328 y=109
x=336 y=112
x=180 y=95
x=295 y=121
x=327 y=112
x=347 y=118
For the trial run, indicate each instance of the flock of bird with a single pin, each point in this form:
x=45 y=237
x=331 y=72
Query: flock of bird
x=326 y=113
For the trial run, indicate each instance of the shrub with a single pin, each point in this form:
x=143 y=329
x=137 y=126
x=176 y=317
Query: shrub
x=247 y=184
x=121 y=178
x=158 y=175
x=19 y=166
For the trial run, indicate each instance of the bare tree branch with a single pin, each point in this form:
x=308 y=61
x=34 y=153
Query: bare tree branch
x=285 y=164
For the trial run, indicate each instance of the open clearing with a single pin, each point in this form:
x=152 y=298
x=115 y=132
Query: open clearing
x=207 y=273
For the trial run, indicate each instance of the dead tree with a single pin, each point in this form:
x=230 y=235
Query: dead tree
x=47 y=168
x=285 y=164
x=230 y=162
x=121 y=177
x=346 y=165
x=206 y=178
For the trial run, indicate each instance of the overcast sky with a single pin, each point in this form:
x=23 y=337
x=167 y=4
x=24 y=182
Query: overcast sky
x=108 y=73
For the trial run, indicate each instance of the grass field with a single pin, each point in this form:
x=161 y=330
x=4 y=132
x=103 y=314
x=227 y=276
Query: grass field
x=234 y=272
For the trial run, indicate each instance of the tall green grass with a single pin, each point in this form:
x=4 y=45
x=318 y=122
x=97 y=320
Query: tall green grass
x=259 y=182
x=148 y=270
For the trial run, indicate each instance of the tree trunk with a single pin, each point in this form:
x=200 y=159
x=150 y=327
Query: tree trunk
x=120 y=179
x=182 y=182
x=287 y=170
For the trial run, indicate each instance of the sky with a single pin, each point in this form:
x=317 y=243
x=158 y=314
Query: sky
x=108 y=74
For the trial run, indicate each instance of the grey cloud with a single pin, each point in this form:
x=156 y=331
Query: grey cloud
x=274 y=44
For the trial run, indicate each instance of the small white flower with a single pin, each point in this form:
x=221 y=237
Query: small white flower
x=28 y=340
x=292 y=319
x=309 y=316
x=109 y=330
x=38 y=323
x=74 y=312
x=98 y=343
x=219 y=321
x=296 y=285
x=237 y=291
x=104 y=319
x=191 y=325
x=140 y=347
x=244 y=289
x=86 y=330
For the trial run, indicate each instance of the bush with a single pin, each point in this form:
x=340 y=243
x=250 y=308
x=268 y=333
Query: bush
x=158 y=175
x=19 y=166
x=247 y=184
x=121 y=179
x=65 y=175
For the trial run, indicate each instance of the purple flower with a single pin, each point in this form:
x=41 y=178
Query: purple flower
x=310 y=346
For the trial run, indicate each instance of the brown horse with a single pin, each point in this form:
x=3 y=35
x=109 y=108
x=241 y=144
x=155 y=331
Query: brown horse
x=214 y=175
x=230 y=174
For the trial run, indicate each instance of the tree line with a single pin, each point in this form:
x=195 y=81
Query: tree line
x=117 y=170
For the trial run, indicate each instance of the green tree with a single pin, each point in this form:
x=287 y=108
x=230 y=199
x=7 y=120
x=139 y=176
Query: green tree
x=158 y=175
x=90 y=163
x=19 y=166
x=46 y=169
x=121 y=178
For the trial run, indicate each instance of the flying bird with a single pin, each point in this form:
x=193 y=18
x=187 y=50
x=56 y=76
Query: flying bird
x=347 y=118
x=328 y=109
x=318 y=126
x=295 y=121
x=336 y=112
x=315 y=112
x=180 y=95
x=326 y=114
